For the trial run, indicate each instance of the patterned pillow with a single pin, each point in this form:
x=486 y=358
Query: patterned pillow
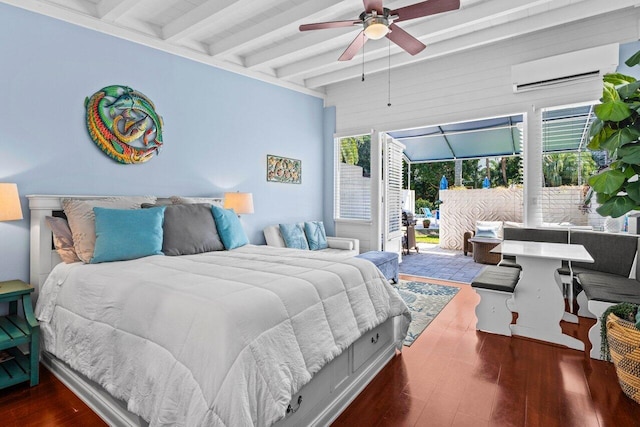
x=81 y=219
x=316 y=235
x=62 y=239
x=293 y=236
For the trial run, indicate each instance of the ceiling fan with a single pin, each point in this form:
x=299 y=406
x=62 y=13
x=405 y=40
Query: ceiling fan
x=378 y=22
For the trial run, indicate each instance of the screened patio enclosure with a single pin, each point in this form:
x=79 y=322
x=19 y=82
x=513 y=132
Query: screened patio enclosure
x=563 y=130
x=550 y=131
x=470 y=140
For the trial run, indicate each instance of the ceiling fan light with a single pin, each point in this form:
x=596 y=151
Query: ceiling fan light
x=376 y=27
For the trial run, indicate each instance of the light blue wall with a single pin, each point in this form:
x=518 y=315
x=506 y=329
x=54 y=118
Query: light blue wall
x=219 y=127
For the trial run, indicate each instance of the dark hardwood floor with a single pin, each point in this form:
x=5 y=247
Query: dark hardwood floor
x=451 y=376
x=454 y=375
x=49 y=403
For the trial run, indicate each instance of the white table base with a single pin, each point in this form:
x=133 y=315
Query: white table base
x=567 y=316
x=540 y=303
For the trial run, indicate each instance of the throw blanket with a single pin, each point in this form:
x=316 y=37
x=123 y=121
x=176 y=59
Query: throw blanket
x=222 y=339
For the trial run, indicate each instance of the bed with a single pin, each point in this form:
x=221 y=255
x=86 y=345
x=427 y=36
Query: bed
x=252 y=336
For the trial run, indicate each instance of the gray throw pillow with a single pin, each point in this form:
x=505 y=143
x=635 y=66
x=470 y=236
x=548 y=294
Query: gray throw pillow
x=190 y=229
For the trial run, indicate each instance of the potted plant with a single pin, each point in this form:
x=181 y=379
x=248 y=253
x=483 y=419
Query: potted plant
x=620 y=335
x=616 y=129
x=426 y=223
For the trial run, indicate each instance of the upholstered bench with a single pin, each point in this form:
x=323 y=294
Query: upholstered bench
x=495 y=286
x=387 y=263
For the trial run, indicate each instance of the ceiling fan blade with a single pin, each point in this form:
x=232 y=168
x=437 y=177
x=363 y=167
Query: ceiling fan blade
x=354 y=47
x=425 y=8
x=405 y=40
x=376 y=5
x=332 y=24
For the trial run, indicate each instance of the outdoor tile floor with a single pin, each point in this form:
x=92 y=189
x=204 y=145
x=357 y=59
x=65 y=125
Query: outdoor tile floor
x=440 y=264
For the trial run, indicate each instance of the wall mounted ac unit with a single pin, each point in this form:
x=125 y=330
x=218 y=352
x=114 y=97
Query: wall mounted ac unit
x=568 y=68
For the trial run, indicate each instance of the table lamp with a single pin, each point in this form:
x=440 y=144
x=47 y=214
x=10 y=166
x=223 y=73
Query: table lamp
x=10 y=209
x=241 y=203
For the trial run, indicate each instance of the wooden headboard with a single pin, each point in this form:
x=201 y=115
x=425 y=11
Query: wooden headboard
x=43 y=256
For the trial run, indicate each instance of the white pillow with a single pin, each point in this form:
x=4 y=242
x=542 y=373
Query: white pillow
x=82 y=220
x=493 y=226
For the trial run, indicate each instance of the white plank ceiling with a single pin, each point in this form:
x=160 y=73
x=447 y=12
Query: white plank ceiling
x=260 y=38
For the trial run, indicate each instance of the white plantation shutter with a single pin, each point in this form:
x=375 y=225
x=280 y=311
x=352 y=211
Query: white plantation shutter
x=352 y=190
x=393 y=187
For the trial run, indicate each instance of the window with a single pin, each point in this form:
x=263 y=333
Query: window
x=352 y=192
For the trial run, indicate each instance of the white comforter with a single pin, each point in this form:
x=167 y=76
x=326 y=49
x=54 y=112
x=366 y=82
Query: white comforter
x=222 y=338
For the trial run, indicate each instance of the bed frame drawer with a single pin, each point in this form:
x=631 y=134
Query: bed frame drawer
x=340 y=370
x=370 y=343
x=307 y=398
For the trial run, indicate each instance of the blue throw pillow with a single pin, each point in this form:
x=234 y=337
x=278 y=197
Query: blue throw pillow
x=316 y=236
x=123 y=234
x=293 y=235
x=229 y=228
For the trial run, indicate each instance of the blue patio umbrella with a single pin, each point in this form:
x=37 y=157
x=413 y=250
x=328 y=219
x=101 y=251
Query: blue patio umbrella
x=486 y=183
x=444 y=184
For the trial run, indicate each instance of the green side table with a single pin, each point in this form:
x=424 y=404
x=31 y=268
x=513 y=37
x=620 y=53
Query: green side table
x=16 y=330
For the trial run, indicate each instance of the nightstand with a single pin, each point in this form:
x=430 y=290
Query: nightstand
x=16 y=367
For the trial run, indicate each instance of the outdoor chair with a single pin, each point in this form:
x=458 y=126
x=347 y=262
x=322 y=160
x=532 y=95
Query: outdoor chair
x=427 y=213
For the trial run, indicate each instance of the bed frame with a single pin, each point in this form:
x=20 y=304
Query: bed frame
x=319 y=403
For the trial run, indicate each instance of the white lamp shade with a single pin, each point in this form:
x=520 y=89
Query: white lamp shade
x=241 y=203
x=10 y=209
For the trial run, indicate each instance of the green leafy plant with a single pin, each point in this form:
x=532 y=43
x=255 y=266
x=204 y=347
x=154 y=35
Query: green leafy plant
x=626 y=311
x=616 y=129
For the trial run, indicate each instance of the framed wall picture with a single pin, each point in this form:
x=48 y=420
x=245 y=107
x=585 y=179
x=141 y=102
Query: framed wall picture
x=283 y=169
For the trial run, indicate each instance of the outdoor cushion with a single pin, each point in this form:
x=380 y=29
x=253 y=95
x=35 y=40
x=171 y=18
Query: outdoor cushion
x=536 y=235
x=509 y=261
x=497 y=278
x=610 y=287
x=564 y=270
x=491 y=229
x=612 y=253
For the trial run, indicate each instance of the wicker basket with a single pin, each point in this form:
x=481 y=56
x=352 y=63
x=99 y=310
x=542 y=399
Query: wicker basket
x=624 y=345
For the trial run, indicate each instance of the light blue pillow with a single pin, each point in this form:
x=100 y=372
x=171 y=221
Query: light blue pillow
x=123 y=234
x=316 y=235
x=490 y=232
x=229 y=228
x=293 y=235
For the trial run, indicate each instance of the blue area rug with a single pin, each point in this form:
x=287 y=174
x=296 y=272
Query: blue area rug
x=425 y=301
